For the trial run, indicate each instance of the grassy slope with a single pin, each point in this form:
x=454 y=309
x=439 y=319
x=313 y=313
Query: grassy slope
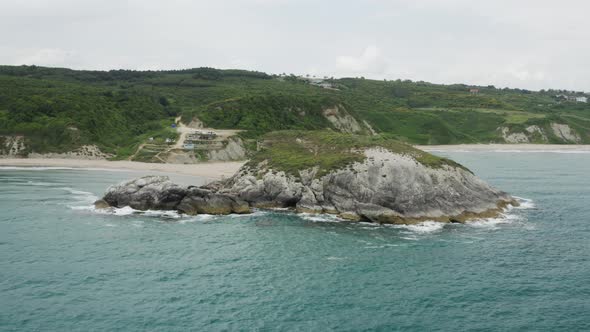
x=291 y=151
x=118 y=109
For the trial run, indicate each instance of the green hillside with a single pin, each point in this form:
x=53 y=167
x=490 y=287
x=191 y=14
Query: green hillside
x=60 y=109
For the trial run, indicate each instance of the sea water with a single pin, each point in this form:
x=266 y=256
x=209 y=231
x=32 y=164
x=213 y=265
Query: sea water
x=67 y=267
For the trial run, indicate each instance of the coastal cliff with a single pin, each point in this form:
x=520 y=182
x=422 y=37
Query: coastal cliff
x=357 y=177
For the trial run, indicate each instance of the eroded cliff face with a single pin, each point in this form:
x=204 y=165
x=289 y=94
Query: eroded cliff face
x=233 y=150
x=565 y=133
x=561 y=133
x=12 y=147
x=16 y=147
x=386 y=187
x=342 y=120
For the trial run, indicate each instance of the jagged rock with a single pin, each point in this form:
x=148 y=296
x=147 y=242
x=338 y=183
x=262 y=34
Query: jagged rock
x=212 y=204
x=386 y=187
x=149 y=192
x=366 y=178
x=101 y=204
x=159 y=193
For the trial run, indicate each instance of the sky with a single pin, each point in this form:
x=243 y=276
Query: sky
x=531 y=44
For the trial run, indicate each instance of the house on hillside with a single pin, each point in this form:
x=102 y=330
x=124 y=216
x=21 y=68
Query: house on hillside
x=575 y=99
x=474 y=91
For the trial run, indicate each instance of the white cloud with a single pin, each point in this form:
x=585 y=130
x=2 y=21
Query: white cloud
x=370 y=61
x=44 y=57
x=532 y=44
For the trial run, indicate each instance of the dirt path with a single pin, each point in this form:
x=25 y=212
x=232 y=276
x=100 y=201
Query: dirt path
x=182 y=131
x=137 y=151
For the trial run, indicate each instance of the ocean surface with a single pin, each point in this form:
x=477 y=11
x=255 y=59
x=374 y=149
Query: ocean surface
x=66 y=267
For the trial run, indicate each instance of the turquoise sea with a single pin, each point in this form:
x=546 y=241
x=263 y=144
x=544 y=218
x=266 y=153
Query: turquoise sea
x=66 y=267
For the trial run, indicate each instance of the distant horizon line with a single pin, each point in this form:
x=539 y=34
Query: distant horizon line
x=300 y=75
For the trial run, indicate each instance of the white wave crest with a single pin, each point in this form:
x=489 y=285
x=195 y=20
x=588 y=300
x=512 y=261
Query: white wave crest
x=425 y=227
x=81 y=196
x=493 y=223
x=39 y=184
x=525 y=203
x=320 y=217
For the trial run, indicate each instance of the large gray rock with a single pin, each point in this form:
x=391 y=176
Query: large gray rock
x=201 y=201
x=386 y=187
x=148 y=192
x=159 y=193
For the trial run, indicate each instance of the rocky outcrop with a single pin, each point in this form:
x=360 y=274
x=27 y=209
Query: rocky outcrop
x=387 y=188
x=565 y=133
x=513 y=137
x=233 y=150
x=373 y=179
x=341 y=120
x=12 y=146
x=159 y=193
x=371 y=130
x=86 y=152
x=536 y=134
x=558 y=132
x=15 y=147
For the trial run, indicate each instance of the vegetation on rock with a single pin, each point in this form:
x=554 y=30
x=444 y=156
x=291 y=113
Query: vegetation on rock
x=294 y=151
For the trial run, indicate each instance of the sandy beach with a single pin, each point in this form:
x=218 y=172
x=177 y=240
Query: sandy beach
x=219 y=170
x=211 y=170
x=555 y=148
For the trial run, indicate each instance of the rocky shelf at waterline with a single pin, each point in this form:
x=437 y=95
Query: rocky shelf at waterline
x=355 y=177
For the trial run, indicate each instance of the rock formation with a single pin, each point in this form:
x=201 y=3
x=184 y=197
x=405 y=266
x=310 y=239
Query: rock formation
x=356 y=177
x=159 y=193
x=386 y=187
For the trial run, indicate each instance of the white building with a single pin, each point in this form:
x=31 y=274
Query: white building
x=582 y=99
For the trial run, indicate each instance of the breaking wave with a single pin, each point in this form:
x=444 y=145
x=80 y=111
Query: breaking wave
x=509 y=216
x=81 y=196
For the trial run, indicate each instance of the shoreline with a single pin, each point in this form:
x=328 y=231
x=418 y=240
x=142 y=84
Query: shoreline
x=211 y=170
x=219 y=170
x=551 y=148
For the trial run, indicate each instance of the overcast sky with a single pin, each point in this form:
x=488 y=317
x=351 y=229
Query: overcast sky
x=532 y=44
